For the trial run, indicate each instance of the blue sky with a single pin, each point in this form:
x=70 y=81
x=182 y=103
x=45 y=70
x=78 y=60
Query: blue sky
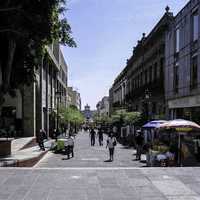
x=106 y=32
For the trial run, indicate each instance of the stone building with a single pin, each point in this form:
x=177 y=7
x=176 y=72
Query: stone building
x=35 y=106
x=62 y=80
x=103 y=107
x=54 y=76
x=182 y=64
x=73 y=98
x=140 y=86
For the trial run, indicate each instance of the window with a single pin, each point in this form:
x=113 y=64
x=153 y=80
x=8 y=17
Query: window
x=195 y=26
x=141 y=83
x=154 y=106
x=138 y=82
x=177 y=40
x=44 y=73
x=194 y=72
x=176 y=77
x=161 y=67
x=150 y=74
x=145 y=75
x=155 y=71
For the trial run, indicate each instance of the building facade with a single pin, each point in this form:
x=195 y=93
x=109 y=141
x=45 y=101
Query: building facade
x=140 y=86
x=34 y=107
x=73 y=98
x=182 y=80
x=103 y=107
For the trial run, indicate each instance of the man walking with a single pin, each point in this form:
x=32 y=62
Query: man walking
x=139 y=143
x=111 y=143
x=40 y=139
x=92 y=137
x=100 y=136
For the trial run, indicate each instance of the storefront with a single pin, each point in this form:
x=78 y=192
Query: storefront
x=186 y=108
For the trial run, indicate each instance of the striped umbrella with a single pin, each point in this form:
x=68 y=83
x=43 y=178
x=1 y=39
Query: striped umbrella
x=182 y=127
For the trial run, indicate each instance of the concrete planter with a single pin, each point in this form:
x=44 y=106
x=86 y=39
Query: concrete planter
x=5 y=146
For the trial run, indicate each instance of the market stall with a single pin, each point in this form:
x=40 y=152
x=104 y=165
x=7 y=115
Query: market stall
x=177 y=144
x=150 y=130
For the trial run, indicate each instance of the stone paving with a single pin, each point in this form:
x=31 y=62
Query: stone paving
x=100 y=184
x=92 y=156
x=88 y=177
x=19 y=143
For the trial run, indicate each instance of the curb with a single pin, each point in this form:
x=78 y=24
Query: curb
x=29 y=162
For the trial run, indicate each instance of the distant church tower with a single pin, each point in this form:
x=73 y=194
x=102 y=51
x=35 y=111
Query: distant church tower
x=87 y=107
x=87 y=113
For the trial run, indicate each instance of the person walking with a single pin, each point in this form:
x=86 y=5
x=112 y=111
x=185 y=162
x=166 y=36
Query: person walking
x=100 y=137
x=111 y=143
x=70 y=146
x=139 y=143
x=40 y=139
x=92 y=136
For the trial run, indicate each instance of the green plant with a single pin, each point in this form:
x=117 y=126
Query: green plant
x=71 y=115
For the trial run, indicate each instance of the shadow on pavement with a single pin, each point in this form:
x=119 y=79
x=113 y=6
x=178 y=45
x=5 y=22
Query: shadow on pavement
x=65 y=158
x=107 y=160
x=126 y=147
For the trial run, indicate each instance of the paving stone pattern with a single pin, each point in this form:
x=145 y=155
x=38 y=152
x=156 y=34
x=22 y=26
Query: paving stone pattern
x=88 y=177
x=92 y=156
x=99 y=184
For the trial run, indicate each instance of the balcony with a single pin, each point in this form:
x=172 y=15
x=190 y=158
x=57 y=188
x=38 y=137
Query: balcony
x=156 y=87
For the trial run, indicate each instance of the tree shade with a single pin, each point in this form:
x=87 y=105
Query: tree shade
x=26 y=27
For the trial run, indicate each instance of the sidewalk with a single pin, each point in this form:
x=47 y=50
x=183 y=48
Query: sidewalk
x=24 y=154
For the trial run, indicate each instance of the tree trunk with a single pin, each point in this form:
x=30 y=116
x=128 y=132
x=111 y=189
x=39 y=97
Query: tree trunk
x=8 y=69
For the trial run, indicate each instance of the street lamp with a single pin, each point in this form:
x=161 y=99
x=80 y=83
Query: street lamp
x=58 y=94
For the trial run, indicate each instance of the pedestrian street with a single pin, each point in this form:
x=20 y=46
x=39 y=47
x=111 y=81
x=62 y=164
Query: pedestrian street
x=88 y=177
x=99 y=183
x=86 y=155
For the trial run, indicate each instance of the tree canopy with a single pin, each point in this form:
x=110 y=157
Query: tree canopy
x=26 y=28
x=71 y=115
x=119 y=116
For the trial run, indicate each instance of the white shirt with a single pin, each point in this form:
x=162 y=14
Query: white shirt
x=70 y=142
x=110 y=142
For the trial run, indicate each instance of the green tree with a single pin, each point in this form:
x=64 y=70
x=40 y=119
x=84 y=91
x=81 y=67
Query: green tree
x=71 y=115
x=132 y=117
x=124 y=117
x=26 y=28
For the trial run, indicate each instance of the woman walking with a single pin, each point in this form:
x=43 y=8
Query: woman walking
x=100 y=135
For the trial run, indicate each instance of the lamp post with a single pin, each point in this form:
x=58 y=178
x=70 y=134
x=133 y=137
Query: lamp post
x=58 y=94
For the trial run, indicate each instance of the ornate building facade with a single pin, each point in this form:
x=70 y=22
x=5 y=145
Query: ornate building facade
x=140 y=86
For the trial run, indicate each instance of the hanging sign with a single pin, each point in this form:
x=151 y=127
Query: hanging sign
x=183 y=129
